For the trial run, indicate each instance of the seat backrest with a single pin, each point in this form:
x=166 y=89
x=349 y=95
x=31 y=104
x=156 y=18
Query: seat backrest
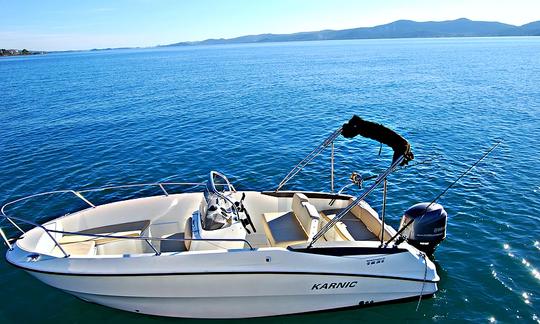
x=45 y=244
x=306 y=213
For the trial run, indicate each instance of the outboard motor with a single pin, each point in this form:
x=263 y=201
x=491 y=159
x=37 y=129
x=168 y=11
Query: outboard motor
x=428 y=227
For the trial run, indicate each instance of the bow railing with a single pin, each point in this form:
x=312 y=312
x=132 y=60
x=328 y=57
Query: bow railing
x=13 y=220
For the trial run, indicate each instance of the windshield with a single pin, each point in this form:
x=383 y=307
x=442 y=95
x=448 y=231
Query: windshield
x=218 y=210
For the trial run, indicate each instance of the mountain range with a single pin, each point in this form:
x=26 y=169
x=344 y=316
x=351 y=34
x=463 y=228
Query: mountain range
x=462 y=27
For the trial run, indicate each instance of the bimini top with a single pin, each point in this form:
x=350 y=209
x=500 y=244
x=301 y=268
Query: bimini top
x=357 y=126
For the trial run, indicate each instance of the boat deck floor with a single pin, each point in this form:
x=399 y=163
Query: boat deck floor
x=355 y=227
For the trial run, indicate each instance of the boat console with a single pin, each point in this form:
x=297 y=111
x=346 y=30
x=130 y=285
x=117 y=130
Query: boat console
x=218 y=218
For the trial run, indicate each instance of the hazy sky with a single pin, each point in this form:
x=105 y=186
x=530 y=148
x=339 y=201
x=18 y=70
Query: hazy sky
x=74 y=24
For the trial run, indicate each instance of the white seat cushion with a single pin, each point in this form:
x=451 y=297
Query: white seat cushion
x=77 y=248
x=283 y=229
x=293 y=227
x=306 y=213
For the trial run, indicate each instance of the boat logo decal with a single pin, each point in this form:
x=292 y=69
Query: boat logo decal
x=374 y=261
x=334 y=285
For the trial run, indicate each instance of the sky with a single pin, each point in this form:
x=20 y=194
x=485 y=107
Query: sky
x=77 y=24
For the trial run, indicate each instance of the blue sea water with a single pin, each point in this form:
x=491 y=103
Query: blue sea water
x=90 y=119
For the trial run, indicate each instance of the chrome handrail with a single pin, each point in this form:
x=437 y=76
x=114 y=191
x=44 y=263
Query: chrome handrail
x=150 y=238
x=316 y=151
x=148 y=184
x=141 y=238
x=35 y=225
x=79 y=195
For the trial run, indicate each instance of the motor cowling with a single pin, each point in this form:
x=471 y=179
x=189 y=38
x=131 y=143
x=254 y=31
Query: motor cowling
x=428 y=227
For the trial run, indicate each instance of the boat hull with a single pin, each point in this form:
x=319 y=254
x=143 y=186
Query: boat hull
x=230 y=295
x=239 y=283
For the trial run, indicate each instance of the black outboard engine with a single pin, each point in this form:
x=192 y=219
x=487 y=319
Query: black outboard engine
x=428 y=227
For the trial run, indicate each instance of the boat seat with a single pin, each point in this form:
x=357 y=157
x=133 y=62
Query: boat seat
x=86 y=248
x=296 y=226
x=340 y=228
x=173 y=246
x=121 y=227
x=90 y=245
x=258 y=240
x=350 y=227
x=68 y=239
x=284 y=229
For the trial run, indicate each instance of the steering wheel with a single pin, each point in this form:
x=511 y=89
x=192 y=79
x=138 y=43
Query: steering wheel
x=247 y=220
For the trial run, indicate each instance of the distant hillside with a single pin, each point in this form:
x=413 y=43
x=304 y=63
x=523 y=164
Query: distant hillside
x=17 y=52
x=532 y=28
x=398 y=29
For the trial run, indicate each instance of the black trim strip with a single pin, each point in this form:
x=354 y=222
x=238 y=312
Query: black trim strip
x=219 y=273
x=342 y=251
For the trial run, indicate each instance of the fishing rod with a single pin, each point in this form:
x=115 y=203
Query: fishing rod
x=444 y=191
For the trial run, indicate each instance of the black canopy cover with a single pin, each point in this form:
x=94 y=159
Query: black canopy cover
x=358 y=126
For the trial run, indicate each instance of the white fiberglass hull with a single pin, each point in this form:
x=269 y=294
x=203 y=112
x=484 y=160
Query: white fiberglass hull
x=246 y=304
x=265 y=282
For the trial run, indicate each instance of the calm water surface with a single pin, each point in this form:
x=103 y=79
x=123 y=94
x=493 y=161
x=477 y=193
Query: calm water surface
x=80 y=120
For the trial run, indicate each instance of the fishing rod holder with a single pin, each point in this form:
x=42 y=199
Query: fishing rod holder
x=356 y=179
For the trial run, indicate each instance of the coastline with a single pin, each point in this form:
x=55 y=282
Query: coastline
x=18 y=52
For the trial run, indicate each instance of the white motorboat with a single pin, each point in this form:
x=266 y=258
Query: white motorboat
x=223 y=253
